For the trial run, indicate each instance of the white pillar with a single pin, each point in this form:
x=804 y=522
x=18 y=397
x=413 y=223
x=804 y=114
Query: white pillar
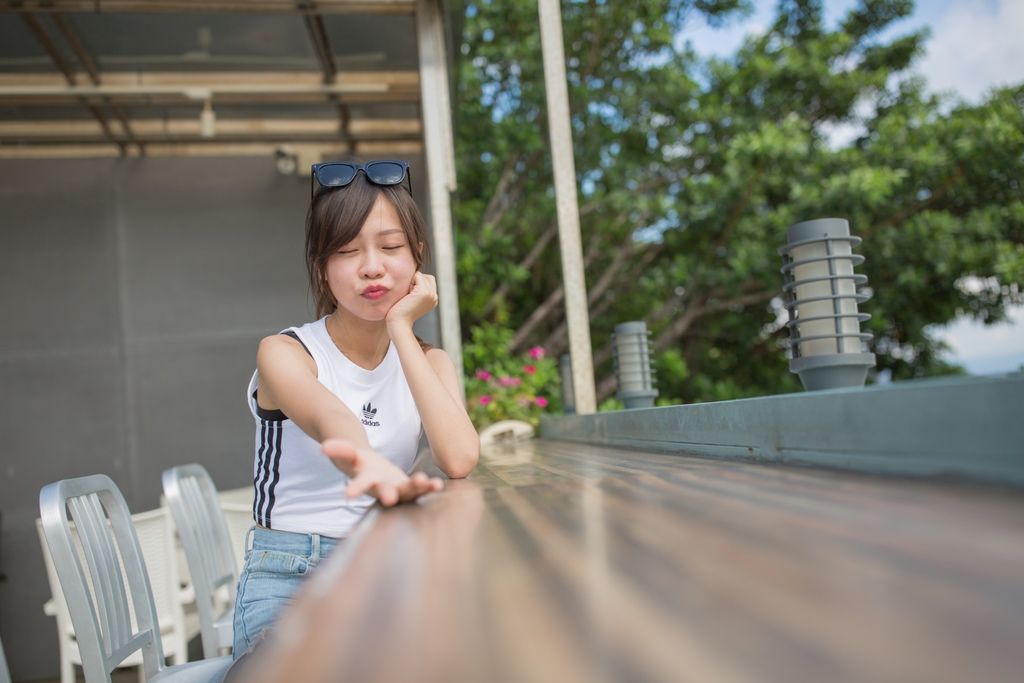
x=577 y=314
x=440 y=158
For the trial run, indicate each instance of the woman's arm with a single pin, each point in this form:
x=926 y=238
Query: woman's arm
x=288 y=382
x=434 y=384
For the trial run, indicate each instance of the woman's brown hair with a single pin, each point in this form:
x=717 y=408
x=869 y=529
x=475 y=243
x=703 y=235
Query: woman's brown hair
x=335 y=217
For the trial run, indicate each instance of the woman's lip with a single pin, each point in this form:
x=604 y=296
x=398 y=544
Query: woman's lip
x=374 y=292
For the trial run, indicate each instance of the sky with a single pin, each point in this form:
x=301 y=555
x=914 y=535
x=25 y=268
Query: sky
x=974 y=45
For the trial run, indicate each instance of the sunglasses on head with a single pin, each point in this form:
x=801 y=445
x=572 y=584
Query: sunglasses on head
x=334 y=174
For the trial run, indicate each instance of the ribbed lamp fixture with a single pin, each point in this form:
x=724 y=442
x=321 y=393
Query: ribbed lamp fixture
x=633 y=365
x=821 y=295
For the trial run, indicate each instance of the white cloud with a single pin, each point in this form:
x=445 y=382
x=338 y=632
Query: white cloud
x=974 y=47
x=986 y=349
x=723 y=41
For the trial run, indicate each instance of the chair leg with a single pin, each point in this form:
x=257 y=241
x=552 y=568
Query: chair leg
x=67 y=669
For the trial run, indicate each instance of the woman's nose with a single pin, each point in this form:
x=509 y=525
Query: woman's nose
x=371 y=265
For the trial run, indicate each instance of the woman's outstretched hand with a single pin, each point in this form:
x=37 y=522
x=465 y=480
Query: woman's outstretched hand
x=421 y=299
x=371 y=473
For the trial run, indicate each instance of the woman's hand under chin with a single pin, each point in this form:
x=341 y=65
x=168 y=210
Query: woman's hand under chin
x=421 y=299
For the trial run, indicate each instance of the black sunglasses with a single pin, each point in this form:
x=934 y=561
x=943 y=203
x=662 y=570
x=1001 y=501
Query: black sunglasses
x=334 y=174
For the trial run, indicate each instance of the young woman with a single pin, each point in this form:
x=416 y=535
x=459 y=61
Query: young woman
x=340 y=403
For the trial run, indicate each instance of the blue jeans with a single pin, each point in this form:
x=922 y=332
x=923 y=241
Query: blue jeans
x=276 y=563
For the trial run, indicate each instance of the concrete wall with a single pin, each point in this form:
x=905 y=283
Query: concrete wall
x=133 y=293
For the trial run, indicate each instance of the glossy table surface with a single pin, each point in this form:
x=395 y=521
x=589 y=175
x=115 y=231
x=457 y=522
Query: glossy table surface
x=564 y=562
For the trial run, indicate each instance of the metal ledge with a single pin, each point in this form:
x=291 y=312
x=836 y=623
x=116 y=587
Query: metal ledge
x=964 y=428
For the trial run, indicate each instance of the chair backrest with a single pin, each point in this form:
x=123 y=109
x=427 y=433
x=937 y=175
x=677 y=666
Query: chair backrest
x=155 y=532
x=5 y=674
x=107 y=626
x=239 y=519
x=60 y=605
x=207 y=542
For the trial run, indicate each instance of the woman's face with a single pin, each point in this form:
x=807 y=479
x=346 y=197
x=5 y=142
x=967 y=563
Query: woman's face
x=373 y=271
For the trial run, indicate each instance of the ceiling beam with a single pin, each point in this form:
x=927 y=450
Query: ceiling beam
x=206 y=79
x=322 y=46
x=245 y=100
x=43 y=38
x=334 y=149
x=194 y=91
x=366 y=128
x=212 y=6
x=295 y=87
x=85 y=59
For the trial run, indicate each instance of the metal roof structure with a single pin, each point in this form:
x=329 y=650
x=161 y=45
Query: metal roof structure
x=303 y=81
x=186 y=77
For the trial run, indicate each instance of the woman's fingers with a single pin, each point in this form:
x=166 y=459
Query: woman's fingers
x=342 y=453
x=387 y=494
x=420 y=484
x=414 y=488
x=360 y=484
x=389 y=485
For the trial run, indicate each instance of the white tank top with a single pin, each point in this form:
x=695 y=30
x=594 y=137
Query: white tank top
x=297 y=488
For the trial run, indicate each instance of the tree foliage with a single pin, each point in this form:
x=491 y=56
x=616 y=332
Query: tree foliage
x=690 y=170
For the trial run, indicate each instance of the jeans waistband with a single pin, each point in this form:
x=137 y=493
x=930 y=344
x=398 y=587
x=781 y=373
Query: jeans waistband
x=308 y=545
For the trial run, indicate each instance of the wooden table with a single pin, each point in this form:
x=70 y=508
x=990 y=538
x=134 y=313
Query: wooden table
x=562 y=562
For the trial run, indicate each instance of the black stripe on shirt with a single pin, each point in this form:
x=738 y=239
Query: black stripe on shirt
x=279 y=429
x=265 y=414
x=293 y=335
x=266 y=434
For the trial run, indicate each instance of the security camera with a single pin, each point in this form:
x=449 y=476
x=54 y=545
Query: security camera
x=287 y=161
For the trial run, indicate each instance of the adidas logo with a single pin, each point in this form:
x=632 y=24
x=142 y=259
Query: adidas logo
x=369 y=413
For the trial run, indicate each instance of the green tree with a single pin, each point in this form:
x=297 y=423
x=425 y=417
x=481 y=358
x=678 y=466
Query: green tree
x=691 y=170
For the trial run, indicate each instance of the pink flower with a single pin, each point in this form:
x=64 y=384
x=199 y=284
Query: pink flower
x=541 y=401
x=485 y=399
x=537 y=352
x=507 y=381
x=483 y=374
x=529 y=369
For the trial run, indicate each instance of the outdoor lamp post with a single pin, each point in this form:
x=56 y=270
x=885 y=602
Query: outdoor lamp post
x=820 y=293
x=633 y=365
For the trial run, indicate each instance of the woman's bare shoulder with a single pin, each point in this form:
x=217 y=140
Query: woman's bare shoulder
x=282 y=348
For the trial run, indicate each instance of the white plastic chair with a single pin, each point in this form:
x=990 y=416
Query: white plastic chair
x=239 y=519
x=505 y=432
x=207 y=543
x=177 y=625
x=109 y=596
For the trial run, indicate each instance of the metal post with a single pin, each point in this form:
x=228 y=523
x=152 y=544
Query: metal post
x=438 y=146
x=577 y=315
x=568 y=396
